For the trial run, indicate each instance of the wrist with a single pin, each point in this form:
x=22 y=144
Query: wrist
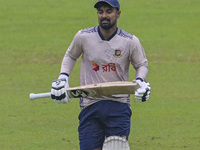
x=64 y=76
x=141 y=79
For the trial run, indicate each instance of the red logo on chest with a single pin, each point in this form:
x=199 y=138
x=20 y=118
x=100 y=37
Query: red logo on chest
x=106 y=68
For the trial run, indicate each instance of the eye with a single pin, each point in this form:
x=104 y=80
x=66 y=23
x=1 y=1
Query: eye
x=99 y=11
x=109 y=11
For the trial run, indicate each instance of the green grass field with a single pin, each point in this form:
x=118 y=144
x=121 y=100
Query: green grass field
x=34 y=36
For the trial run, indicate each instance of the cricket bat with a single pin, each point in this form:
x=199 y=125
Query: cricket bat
x=96 y=90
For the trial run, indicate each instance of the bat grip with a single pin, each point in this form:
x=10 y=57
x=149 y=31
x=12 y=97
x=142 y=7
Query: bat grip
x=40 y=95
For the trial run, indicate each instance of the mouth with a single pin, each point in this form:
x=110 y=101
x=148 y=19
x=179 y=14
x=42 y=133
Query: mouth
x=105 y=21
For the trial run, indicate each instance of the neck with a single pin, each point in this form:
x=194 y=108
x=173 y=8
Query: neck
x=107 y=33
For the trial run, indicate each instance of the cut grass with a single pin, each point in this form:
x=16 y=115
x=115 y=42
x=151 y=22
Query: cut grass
x=34 y=38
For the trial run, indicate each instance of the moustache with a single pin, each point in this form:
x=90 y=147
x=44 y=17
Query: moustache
x=105 y=19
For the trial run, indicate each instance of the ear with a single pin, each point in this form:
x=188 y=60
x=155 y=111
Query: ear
x=118 y=14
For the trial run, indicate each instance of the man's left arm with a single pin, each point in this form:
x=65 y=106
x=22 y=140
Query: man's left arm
x=140 y=63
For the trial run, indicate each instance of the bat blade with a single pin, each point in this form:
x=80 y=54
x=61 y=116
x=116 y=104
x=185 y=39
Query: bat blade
x=96 y=90
x=103 y=89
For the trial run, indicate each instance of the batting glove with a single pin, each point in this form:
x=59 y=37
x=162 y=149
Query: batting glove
x=142 y=94
x=58 y=90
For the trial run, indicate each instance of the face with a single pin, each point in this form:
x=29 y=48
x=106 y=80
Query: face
x=108 y=16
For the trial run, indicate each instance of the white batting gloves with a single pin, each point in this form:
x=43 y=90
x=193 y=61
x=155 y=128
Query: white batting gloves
x=142 y=94
x=58 y=90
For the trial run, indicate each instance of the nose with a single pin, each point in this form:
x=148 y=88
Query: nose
x=104 y=14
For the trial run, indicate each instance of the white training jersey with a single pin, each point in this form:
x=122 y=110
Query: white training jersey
x=105 y=60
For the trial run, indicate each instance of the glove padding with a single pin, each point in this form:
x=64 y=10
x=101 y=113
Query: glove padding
x=142 y=94
x=58 y=91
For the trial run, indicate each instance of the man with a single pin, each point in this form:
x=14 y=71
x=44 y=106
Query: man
x=106 y=53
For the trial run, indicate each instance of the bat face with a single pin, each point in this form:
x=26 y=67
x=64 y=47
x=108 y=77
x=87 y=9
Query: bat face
x=103 y=89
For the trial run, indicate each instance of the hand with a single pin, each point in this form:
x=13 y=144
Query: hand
x=58 y=91
x=142 y=94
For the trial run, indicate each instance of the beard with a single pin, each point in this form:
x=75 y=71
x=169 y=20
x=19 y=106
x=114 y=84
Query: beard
x=108 y=25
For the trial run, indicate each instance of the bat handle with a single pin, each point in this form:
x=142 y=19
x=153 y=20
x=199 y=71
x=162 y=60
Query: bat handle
x=40 y=95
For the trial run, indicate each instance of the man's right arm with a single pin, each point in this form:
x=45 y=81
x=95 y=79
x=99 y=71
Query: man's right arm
x=72 y=54
x=60 y=85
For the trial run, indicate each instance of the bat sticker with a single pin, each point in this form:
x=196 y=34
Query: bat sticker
x=79 y=93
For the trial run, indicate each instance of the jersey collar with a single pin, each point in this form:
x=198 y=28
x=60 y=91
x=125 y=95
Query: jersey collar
x=109 y=37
